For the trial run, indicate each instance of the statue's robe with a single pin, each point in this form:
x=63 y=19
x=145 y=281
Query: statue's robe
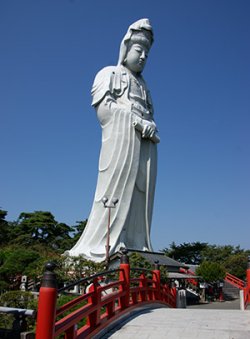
x=127 y=167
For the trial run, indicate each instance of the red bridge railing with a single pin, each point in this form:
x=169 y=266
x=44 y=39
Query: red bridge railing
x=89 y=313
x=247 y=288
x=190 y=280
x=234 y=281
x=241 y=284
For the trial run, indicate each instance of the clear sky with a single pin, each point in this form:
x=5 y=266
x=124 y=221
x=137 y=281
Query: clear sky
x=198 y=72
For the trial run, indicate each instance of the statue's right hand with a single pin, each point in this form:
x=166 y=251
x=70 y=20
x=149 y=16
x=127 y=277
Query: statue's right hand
x=148 y=130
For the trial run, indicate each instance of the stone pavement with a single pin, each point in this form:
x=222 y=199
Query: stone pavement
x=218 y=305
x=190 y=323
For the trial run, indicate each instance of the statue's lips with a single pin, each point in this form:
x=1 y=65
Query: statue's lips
x=141 y=64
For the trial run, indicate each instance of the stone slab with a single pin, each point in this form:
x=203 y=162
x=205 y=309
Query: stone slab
x=183 y=324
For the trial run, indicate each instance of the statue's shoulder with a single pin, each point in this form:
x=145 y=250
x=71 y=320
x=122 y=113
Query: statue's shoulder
x=106 y=73
x=112 y=79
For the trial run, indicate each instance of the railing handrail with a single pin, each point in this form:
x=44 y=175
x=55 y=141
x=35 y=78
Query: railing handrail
x=246 y=296
x=140 y=269
x=84 y=297
x=234 y=280
x=21 y=311
x=190 y=280
x=87 y=279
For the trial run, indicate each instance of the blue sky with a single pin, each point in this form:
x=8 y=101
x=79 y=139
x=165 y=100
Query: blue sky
x=198 y=72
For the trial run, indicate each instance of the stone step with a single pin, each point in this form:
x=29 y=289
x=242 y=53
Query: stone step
x=230 y=291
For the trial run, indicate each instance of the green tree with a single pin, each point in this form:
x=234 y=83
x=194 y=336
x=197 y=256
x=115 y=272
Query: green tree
x=220 y=253
x=34 y=239
x=75 y=268
x=188 y=253
x=5 y=229
x=236 y=264
x=15 y=262
x=233 y=258
x=41 y=227
x=17 y=299
x=211 y=271
x=78 y=230
x=137 y=261
x=31 y=241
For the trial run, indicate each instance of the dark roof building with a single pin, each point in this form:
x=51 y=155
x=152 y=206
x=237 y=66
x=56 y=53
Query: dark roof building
x=151 y=257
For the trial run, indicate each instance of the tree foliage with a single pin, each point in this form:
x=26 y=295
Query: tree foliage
x=17 y=299
x=41 y=227
x=188 y=253
x=75 y=268
x=211 y=271
x=137 y=261
x=232 y=258
x=36 y=238
x=236 y=264
x=31 y=241
x=5 y=229
x=220 y=253
x=78 y=229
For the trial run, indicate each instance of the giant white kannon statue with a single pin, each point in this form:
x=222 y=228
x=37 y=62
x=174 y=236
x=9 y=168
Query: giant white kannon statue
x=128 y=157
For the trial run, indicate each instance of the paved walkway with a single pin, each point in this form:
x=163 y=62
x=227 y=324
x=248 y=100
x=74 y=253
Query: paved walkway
x=218 y=305
x=188 y=323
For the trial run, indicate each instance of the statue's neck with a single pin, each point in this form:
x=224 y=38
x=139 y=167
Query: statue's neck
x=134 y=74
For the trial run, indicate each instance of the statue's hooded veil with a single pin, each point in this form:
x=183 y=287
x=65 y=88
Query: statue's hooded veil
x=138 y=26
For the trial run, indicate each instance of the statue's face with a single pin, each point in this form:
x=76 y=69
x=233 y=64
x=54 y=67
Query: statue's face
x=136 y=57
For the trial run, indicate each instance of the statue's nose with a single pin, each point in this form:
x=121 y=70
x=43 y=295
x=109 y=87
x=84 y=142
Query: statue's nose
x=143 y=55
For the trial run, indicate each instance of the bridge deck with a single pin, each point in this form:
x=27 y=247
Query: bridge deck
x=183 y=324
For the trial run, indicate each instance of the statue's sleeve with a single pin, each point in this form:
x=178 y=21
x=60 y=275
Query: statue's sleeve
x=108 y=80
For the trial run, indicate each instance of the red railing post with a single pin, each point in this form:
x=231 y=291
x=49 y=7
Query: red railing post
x=47 y=304
x=143 y=286
x=125 y=279
x=174 y=294
x=248 y=280
x=156 y=281
x=94 y=317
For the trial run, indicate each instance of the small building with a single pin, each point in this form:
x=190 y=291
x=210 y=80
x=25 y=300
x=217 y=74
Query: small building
x=171 y=265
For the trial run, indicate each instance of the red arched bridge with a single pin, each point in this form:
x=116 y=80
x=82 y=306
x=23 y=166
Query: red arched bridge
x=89 y=313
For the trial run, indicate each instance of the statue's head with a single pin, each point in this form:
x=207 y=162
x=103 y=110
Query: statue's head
x=135 y=46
